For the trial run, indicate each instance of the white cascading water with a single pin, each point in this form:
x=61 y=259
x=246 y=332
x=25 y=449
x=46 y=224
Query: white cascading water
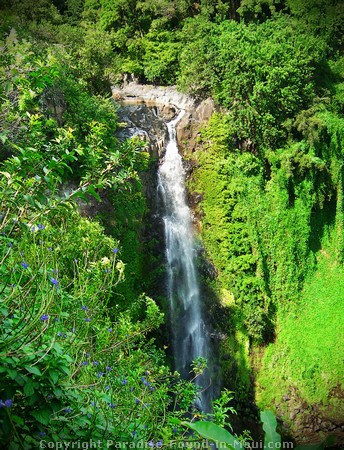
x=189 y=338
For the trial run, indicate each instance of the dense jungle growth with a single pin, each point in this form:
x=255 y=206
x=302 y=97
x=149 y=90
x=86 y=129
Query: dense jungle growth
x=78 y=353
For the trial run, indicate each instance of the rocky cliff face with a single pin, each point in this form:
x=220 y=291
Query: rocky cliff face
x=143 y=112
x=167 y=102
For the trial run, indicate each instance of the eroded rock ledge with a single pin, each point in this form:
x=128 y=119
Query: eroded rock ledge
x=134 y=93
x=169 y=102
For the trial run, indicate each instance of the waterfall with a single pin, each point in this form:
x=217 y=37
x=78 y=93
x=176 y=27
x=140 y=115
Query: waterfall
x=189 y=336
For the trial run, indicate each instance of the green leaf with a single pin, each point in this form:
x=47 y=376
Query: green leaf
x=57 y=347
x=42 y=415
x=58 y=392
x=54 y=375
x=18 y=420
x=269 y=426
x=29 y=388
x=93 y=192
x=21 y=379
x=12 y=373
x=215 y=433
x=34 y=370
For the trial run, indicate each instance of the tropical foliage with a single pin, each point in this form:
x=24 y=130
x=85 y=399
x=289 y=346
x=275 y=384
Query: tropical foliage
x=78 y=356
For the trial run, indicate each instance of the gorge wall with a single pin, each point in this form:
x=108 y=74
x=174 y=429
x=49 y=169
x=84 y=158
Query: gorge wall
x=169 y=102
x=144 y=113
x=145 y=110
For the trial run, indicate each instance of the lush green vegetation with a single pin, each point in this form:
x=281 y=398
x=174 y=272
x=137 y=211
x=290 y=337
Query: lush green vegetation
x=78 y=358
x=304 y=347
x=270 y=170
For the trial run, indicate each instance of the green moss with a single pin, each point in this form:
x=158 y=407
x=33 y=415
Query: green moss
x=306 y=351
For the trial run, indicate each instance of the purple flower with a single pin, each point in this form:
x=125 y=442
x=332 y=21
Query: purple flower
x=8 y=403
x=108 y=368
x=50 y=249
x=144 y=381
x=95 y=363
x=92 y=403
x=85 y=363
x=68 y=410
x=33 y=228
x=41 y=434
x=107 y=270
x=159 y=444
x=40 y=226
x=54 y=281
x=110 y=330
x=60 y=334
x=73 y=330
x=24 y=265
x=100 y=374
x=76 y=261
x=151 y=444
x=84 y=308
x=115 y=250
x=133 y=433
x=56 y=319
x=87 y=319
x=124 y=382
x=137 y=401
x=112 y=405
x=44 y=317
x=107 y=388
x=10 y=244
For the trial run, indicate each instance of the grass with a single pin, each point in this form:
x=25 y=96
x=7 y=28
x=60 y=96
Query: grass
x=307 y=355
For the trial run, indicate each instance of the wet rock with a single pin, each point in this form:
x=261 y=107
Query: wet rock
x=145 y=123
x=188 y=167
x=169 y=101
x=306 y=423
x=188 y=130
x=197 y=198
x=168 y=112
